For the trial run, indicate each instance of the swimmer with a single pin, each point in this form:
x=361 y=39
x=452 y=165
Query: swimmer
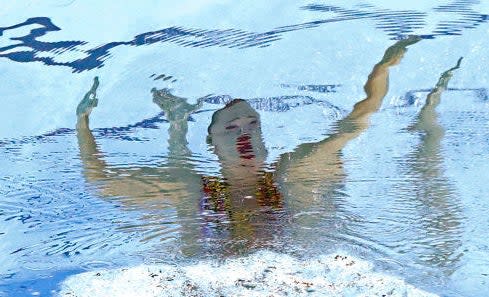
x=247 y=195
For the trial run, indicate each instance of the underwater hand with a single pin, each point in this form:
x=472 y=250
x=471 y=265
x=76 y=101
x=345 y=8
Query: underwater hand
x=458 y=64
x=447 y=75
x=175 y=108
x=394 y=53
x=88 y=102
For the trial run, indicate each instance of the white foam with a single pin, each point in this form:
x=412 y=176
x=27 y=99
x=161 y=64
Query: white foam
x=261 y=274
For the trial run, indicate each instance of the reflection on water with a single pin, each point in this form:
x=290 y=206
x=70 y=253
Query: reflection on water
x=405 y=22
x=141 y=192
x=429 y=193
x=457 y=17
x=248 y=204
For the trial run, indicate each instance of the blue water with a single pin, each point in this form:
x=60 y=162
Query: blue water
x=408 y=193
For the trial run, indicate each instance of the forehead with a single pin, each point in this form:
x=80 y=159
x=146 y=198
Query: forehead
x=236 y=111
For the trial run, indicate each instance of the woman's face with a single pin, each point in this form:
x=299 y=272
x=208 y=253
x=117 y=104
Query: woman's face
x=235 y=132
x=236 y=117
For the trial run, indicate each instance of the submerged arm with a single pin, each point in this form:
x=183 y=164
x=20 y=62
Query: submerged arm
x=177 y=112
x=316 y=168
x=354 y=123
x=147 y=188
x=94 y=166
x=429 y=190
x=135 y=182
x=375 y=88
x=433 y=98
x=427 y=121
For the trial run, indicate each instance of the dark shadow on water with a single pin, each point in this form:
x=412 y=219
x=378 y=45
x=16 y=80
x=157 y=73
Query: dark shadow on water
x=271 y=104
x=250 y=202
x=459 y=16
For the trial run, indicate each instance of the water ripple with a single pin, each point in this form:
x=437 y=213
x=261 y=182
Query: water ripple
x=397 y=24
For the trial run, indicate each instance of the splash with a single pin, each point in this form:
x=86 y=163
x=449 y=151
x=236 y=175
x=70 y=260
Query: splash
x=263 y=274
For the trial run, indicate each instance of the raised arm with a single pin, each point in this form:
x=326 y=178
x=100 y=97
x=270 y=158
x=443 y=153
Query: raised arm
x=177 y=111
x=173 y=180
x=375 y=88
x=427 y=121
x=319 y=162
x=428 y=190
x=91 y=157
x=173 y=183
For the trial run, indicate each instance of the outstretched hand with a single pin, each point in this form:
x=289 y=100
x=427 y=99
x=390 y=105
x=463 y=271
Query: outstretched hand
x=458 y=64
x=89 y=101
x=395 y=52
x=175 y=108
x=447 y=75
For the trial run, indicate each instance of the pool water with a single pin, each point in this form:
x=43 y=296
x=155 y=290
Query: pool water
x=172 y=170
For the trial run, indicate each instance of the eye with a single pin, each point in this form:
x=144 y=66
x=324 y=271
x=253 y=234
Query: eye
x=230 y=127
x=253 y=122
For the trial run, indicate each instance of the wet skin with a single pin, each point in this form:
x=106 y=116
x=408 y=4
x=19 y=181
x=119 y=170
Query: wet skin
x=235 y=136
x=435 y=197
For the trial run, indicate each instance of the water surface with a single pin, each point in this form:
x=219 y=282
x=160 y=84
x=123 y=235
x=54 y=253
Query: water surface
x=164 y=173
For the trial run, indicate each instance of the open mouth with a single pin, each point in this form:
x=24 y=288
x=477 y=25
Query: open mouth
x=244 y=147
